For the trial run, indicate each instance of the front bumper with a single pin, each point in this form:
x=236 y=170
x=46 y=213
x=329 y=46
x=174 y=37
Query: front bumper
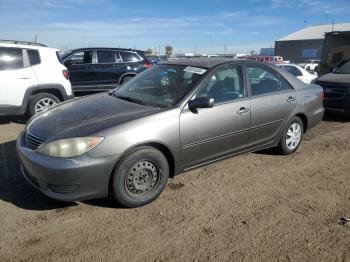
x=67 y=179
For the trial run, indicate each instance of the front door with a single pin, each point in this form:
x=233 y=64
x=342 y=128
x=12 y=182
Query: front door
x=211 y=133
x=81 y=70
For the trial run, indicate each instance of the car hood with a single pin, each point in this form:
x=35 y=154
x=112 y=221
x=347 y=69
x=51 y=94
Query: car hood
x=85 y=116
x=335 y=78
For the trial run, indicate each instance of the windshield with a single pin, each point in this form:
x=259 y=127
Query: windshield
x=344 y=69
x=161 y=85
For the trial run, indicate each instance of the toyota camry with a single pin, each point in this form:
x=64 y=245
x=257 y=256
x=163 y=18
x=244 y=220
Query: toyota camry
x=173 y=117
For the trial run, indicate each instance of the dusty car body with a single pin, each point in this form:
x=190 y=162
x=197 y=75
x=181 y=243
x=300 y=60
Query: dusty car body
x=205 y=123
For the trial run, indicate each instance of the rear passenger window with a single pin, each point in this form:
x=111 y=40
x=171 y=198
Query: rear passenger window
x=293 y=70
x=34 y=57
x=129 y=57
x=106 y=56
x=11 y=58
x=264 y=80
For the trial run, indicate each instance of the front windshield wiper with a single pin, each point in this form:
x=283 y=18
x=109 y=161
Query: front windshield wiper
x=130 y=99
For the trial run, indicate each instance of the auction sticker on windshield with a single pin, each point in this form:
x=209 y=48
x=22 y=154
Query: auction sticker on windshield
x=195 y=70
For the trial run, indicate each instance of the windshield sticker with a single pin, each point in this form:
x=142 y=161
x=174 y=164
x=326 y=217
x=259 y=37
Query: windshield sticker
x=195 y=70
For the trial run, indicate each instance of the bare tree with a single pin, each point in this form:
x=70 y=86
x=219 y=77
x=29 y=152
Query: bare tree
x=149 y=51
x=168 y=51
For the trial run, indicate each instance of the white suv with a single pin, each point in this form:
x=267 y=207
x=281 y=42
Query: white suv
x=32 y=79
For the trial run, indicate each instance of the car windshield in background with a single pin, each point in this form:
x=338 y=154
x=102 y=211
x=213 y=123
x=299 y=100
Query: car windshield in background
x=344 y=69
x=160 y=86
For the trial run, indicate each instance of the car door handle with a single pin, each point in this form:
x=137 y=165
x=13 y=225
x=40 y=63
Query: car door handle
x=24 y=78
x=242 y=110
x=290 y=99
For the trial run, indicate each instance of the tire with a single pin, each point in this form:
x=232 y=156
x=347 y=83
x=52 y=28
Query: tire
x=140 y=177
x=292 y=136
x=126 y=79
x=40 y=100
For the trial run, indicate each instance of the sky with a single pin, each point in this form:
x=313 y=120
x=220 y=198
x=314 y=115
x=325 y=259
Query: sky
x=201 y=26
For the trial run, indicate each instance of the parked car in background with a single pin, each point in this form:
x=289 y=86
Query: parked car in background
x=101 y=69
x=32 y=79
x=153 y=59
x=174 y=117
x=310 y=65
x=299 y=72
x=336 y=87
x=335 y=58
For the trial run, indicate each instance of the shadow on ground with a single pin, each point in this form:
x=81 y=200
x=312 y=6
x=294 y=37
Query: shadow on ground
x=13 y=119
x=15 y=189
x=328 y=117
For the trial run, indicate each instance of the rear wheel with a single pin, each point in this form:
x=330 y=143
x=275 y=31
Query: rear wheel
x=41 y=102
x=292 y=136
x=140 y=177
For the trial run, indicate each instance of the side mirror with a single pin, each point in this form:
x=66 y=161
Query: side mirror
x=201 y=102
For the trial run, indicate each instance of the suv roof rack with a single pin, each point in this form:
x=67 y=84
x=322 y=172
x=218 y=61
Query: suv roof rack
x=21 y=42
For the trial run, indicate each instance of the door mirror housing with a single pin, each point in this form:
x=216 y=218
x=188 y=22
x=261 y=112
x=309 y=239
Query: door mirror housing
x=201 y=102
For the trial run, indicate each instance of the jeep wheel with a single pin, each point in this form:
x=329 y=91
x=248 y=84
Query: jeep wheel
x=41 y=102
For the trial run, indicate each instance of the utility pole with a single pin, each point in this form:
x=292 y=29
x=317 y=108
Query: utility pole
x=333 y=24
x=35 y=38
x=225 y=48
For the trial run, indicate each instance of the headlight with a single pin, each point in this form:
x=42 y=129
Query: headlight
x=69 y=147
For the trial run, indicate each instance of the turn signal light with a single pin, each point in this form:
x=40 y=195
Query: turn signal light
x=148 y=65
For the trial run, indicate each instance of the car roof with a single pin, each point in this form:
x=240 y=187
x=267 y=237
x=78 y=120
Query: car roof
x=202 y=62
x=26 y=46
x=105 y=48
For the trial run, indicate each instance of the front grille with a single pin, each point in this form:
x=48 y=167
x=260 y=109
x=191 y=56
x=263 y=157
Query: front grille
x=33 y=142
x=63 y=189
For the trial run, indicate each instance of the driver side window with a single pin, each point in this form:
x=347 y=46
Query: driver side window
x=224 y=85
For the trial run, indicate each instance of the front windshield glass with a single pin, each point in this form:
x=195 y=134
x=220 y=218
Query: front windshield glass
x=161 y=85
x=344 y=69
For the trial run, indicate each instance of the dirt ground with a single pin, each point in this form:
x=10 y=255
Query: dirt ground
x=254 y=207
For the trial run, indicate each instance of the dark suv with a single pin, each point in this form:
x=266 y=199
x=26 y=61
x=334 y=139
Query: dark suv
x=100 y=69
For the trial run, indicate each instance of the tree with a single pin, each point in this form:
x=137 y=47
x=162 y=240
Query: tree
x=149 y=51
x=168 y=51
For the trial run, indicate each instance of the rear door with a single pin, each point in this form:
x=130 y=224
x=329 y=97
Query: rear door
x=273 y=100
x=107 y=69
x=211 y=133
x=16 y=76
x=81 y=70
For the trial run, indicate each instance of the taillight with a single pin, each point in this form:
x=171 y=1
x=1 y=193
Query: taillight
x=147 y=65
x=322 y=95
x=66 y=74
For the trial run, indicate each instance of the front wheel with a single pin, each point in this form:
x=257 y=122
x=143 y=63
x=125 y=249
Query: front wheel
x=140 y=177
x=292 y=136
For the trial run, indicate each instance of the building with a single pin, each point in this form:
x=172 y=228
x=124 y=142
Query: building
x=306 y=43
x=267 y=51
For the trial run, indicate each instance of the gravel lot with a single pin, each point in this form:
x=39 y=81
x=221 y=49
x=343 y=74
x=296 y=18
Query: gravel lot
x=254 y=207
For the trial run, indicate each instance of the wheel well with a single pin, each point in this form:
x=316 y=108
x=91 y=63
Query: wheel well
x=304 y=120
x=126 y=75
x=167 y=153
x=54 y=92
